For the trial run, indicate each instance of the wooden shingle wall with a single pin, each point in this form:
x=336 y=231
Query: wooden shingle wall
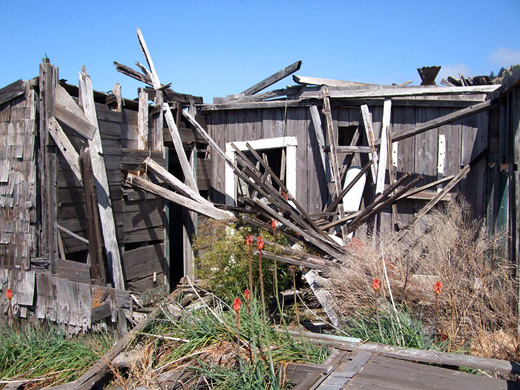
x=17 y=181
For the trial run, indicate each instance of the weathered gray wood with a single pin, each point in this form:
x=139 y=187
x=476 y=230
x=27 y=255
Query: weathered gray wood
x=95 y=247
x=369 y=132
x=12 y=91
x=133 y=73
x=434 y=201
x=153 y=74
x=425 y=187
x=318 y=132
x=69 y=113
x=72 y=234
x=428 y=74
x=98 y=371
x=173 y=182
x=345 y=371
x=443 y=120
x=74 y=271
x=383 y=150
x=417 y=355
x=65 y=146
x=177 y=143
x=351 y=149
x=142 y=121
x=183 y=201
x=333 y=142
x=102 y=187
x=273 y=78
x=305 y=80
x=322 y=295
x=399 y=91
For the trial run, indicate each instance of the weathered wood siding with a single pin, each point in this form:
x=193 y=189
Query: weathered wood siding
x=419 y=155
x=17 y=181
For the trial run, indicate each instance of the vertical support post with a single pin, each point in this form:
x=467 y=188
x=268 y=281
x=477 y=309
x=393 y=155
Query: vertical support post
x=48 y=245
x=142 y=120
x=102 y=188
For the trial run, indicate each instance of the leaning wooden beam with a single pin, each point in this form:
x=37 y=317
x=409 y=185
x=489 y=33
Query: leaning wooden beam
x=95 y=247
x=379 y=199
x=305 y=80
x=464 y=171
x=133 y=73
x=101 y=368
x=72 y=234
x=283 y=187
x=308 y=237
x=153 y=73
x=209 y=211
x=273 y=78
x=102 y=188
x=179 y=186
x=177 y=143
x=318 y=132
x=443 y=120
x=325 y=266
x=331 y=134
x=390 y=200
x=69 y=113
x=353 y=182
x=65 y=146
x=367 y=121
x=425 y=187
x=383 y=150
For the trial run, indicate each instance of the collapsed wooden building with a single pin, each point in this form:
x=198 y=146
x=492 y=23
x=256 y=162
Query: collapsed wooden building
x=85 y=234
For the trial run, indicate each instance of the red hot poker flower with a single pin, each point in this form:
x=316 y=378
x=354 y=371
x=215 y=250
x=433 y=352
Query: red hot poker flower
x=236 y=304
x=247 y=294
x=260 y=243
x=273 y=224
x=9 y=293
x=249 y=240
x=376 y=284
x=437 y=288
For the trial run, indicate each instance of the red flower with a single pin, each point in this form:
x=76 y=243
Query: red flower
x=376 y=284
x=437 y=288
x=9 y=293
x=236 y=304
x=247 y=294
x=249 y=240
x=260 y=243
x=273 y=224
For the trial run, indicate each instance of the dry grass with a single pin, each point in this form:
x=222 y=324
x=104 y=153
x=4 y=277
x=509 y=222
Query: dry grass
x=477 y=305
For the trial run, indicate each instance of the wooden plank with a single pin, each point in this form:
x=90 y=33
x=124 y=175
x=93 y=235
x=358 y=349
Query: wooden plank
x=102 y=188
x=12 y=91
x=322 y=295
x=72 y=234
x=400 y=92
x=443 y=120
x=387 y=373
x=133 y=159
x=186 y=168
x=144 y=261
x=305 y=80
x=273 y=78
x=133 y=73
x=74 y=271
x=369 y=132
x=168 y=195
x=383 y=150
x=142 y=121
x=153 y=73
x=65 y=147
x=68 y=112
x=428 y=74
x=98 y=371
x=345 y=371
x=434 y=201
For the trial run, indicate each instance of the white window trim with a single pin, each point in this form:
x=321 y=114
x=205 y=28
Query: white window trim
x=289 y=143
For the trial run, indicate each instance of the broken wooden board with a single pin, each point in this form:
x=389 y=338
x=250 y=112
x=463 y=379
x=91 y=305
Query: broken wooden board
x=316 y=283
x=273 y=78
x=68 y=112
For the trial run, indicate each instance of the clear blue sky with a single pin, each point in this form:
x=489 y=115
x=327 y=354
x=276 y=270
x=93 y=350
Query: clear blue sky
x=216 y=48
